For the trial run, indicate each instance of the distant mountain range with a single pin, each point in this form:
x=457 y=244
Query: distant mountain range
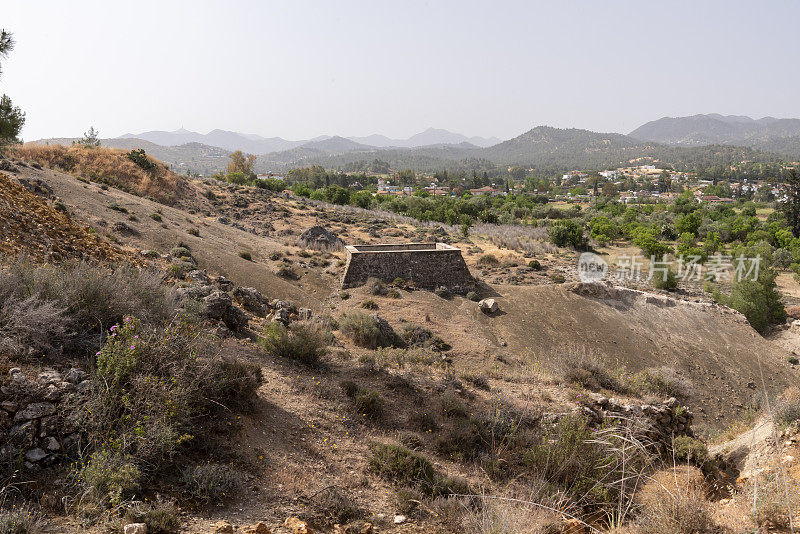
x=256 y=144
x=768 y=133
x=683 y=142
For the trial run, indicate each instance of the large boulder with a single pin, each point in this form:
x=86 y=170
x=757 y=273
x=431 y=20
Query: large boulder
x=318 y=237
x=488 y=306
x=252 y=299
x=216 y=304
x=235 y=319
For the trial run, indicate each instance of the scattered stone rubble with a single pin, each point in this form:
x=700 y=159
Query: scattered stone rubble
x=32 y=422
x=219 y=294
x=658 y=423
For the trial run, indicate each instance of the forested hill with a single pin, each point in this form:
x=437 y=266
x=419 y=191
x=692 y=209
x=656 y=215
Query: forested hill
x=781 y=136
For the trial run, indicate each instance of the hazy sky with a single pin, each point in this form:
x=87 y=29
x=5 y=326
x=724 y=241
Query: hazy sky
x=298 y=69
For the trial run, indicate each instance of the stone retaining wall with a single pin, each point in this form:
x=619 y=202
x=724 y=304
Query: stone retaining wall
x=428 y=265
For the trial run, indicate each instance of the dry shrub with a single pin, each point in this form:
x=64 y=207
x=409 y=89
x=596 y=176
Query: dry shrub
x=155 y=390
x=787 y=407
x=68 y=308
x=585 y=368
x=109 y=166
x=673 y=501
x=500 y=516
x=305 y=343
x=21 y=520
x=662 y=381
x=366 y=330
x=375 y=287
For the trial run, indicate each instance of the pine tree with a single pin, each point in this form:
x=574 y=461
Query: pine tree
x=11 y=118
x=791 y=208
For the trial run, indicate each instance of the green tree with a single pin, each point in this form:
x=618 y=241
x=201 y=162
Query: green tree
x=90 y=139
x=566 y=233
x=243 y=163
x=11 y=118
x=791 y=208
x=517 y=172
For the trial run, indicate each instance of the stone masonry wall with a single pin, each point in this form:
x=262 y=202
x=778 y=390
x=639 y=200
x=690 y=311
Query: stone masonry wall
x=428 y=269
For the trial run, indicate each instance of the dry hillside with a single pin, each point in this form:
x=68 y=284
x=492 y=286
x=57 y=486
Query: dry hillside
x=307 y=446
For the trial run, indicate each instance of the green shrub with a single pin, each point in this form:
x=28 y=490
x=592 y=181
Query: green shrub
x=368 y=402
x=557 y=278
x=275 y=256
x=350 y=388
x=566 y=233
x=442 y=292
x=306 y=344
x=758 y=300
x=393 y=294
x=207 y=483
x=793 y=360
x=111 y=477
x=474 y=297
x=662 y=381
x=21 y=520
x=369 y=304
x=535 y=265
x=691 y=450
x=665 y=281
x=139 y=157
x=364 y=330
x=156 y=217
x=159 y=516
x=452 y=406
x=488 y=260
x=180 y=252
x=116 y=207
x=423 y=421
x=404 y=467
x=193 y=231
x=375 y=287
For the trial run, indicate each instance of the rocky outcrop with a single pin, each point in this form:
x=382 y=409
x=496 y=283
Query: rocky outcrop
x=320 y=238
x=32 y=423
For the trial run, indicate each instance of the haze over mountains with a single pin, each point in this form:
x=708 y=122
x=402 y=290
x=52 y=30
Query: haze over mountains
x=683 y=142
x=256 y=144
x=767 y=133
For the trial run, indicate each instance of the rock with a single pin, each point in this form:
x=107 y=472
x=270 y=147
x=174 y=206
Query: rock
x=49 y=376
x=124 y=228
x=199 y=276
x=320 y=238
x=13 y=371
x=223 y=283
x=284 y=305
x=194 y=292
x=23 y=433
x=223 y=527
x=787 y=459
x=251 y=299
x=399 y=519
x=488 y=306
x=259 y=528
x=297 y=526
x=35 y=410
x=75 y=375
x=282 y=316
x=235 y=318
x=304 y=314
x=216 y=304
x=9 y=406
x=51 y=444
x=136 y=528
x=35 y=455
x=387 y=332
